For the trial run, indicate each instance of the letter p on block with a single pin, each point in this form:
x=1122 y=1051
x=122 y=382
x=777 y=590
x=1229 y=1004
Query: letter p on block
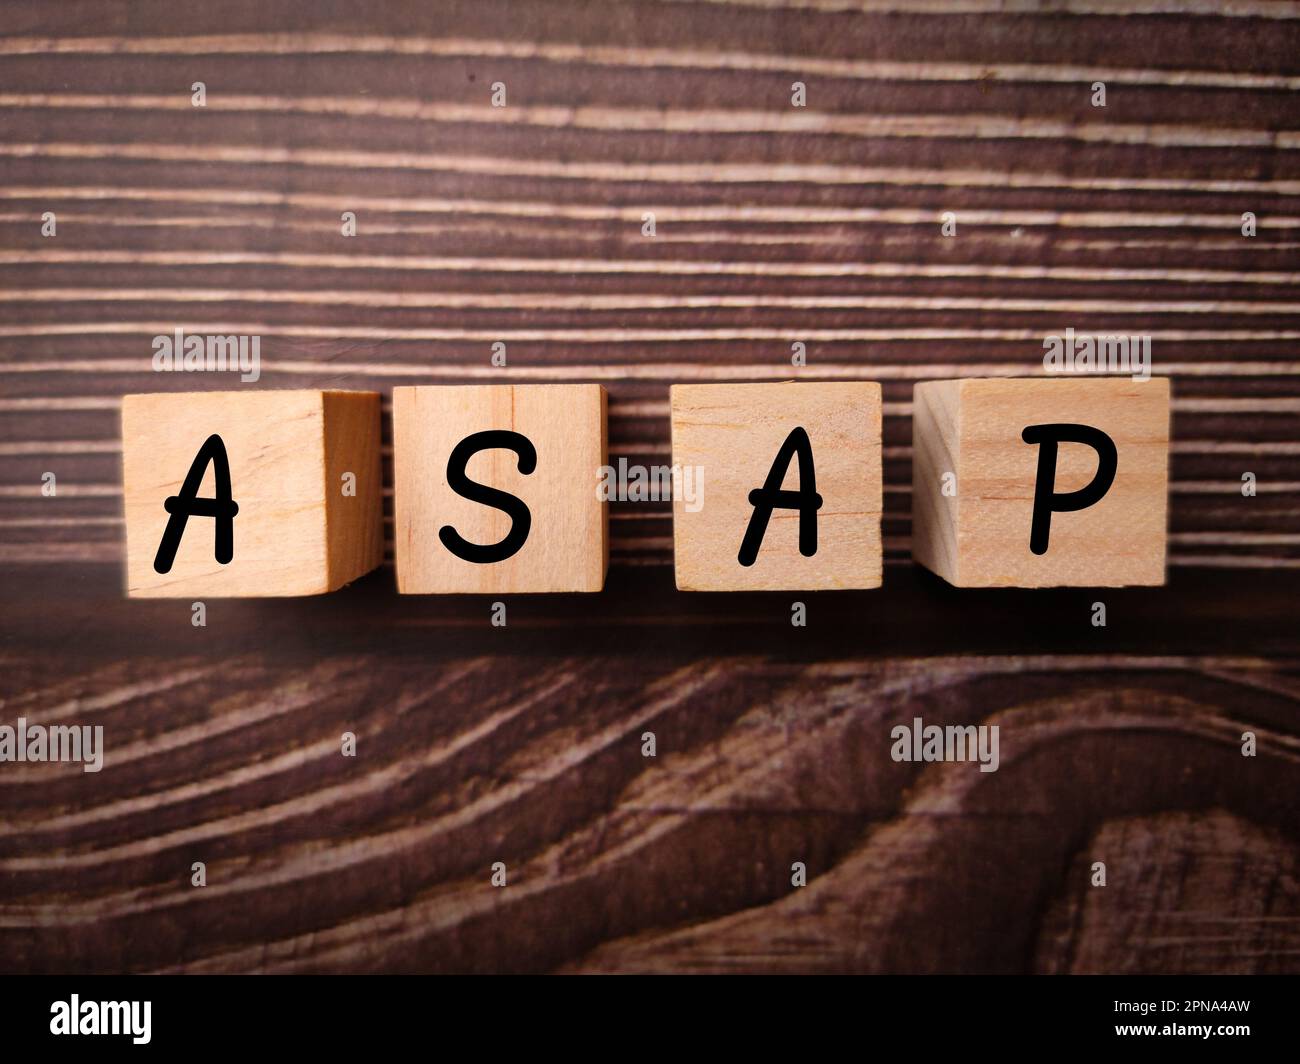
x=1041 y=482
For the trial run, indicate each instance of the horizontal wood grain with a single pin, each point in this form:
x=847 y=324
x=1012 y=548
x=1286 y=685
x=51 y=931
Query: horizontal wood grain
x=773 y=225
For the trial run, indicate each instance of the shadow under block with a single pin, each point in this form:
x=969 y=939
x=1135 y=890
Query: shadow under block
x=733 y=433
x=567 y=547
x=980 y=536
x=296 y=532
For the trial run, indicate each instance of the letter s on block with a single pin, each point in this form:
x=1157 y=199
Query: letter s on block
x=515 y=507
x=1046 y=498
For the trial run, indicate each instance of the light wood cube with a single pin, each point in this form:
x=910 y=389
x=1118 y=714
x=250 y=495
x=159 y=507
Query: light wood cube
x=733 y=435
x=566 y=548
x=296 y=531
x=979 y=533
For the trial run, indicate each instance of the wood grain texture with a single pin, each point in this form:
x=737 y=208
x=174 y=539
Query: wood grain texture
x=295 y=532
x=353 y=473
x=774 y=225
x=976 y=530
x=734 y=439
x=566 y=547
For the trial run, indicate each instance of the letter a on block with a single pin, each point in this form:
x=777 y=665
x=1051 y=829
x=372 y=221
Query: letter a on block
x=187 y=504
x=495 y=488
x=238 y=494
x=1060 y=481
x=788 y=480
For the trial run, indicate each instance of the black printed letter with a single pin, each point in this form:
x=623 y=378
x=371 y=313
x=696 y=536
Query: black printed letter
x=771 y=496
x=187 y=504
x=1046 y=499
x=501 y=500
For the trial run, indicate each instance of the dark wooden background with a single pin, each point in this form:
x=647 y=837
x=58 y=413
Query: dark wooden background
x=774 y=225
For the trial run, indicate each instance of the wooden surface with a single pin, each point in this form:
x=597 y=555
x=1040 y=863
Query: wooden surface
x=566 y=547
x=979 y=534
x=295 y=533
x=774 y=225
x=734 y=436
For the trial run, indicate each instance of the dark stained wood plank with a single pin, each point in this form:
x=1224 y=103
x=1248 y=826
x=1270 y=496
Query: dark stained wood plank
x=523 y=745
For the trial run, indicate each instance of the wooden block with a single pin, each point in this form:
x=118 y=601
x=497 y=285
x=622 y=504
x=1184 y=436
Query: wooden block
x=295 y=532
x=981 y=535
x=734 y=434
x=566 y=548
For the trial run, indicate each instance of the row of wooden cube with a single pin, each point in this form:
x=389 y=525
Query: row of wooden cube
x=306 y=476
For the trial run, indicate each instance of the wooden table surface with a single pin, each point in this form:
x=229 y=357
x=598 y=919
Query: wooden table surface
x=774 y=225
